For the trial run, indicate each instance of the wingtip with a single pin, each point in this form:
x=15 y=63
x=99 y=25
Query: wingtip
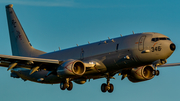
x=9 y=6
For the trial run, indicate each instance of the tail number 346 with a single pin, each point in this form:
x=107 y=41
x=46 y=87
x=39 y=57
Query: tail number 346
x=158 y=48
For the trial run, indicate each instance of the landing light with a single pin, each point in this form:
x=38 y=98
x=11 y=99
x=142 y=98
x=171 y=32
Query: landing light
x=91 y=62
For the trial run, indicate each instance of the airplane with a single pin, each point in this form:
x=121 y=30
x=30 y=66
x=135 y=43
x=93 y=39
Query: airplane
x=137 y=57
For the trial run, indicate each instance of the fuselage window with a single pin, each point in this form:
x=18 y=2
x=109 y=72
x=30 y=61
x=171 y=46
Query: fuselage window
x=117 y=47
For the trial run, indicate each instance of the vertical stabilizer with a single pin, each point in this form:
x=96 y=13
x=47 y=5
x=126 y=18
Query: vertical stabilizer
x=20 y=44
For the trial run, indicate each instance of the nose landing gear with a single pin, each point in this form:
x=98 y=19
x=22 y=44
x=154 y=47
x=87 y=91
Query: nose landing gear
x=158 y=63
x=156 y=72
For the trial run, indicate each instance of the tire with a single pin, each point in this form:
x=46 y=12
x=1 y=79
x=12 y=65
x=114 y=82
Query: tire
x=104 y=87
x=70 y=86
x=62 y=86
x=111 y=88
x=157 y=72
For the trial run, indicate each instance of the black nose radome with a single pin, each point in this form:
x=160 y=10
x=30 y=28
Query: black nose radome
x=172 y=46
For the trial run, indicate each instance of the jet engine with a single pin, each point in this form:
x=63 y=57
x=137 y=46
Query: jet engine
x=71 y=68
x=141 y=74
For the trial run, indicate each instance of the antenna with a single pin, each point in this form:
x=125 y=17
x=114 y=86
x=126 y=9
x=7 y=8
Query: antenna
x=112 y=40
x=133 y=32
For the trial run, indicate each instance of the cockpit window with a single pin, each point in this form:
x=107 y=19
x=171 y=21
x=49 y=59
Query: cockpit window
x=157 y=39
x=162 y=38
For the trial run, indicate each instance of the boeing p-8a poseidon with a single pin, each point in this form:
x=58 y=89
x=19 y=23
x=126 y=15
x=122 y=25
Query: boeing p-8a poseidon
x=135 y=56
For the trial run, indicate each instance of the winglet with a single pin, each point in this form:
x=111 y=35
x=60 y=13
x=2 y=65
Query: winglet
x=9 y=6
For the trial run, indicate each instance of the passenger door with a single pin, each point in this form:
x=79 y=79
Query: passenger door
x=141 y=43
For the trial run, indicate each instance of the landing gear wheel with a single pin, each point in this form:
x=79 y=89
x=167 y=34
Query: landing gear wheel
x=111 y=88
x=107 y=86
x=63 y=86
x=104 y=87
x=157 y=72
x=70 y=86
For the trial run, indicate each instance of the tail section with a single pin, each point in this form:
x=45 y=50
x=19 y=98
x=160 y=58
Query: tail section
x=20 y=44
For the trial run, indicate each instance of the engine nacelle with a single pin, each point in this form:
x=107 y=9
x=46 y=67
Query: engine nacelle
x=71 y=68
x=141 y=74
x=80 y=81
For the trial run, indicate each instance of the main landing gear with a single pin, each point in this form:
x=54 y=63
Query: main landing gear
x=107 y=87
x=66 y=84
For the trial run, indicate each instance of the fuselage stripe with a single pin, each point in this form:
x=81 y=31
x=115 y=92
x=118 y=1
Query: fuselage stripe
x=154 y=44
x=96 y=69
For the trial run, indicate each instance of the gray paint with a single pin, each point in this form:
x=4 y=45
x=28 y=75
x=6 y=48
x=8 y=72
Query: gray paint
x=20 y=44
x=111 y=59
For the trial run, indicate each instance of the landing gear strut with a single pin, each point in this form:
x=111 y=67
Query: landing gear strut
x=107 y=87
x=158 y=63
x=66 y=84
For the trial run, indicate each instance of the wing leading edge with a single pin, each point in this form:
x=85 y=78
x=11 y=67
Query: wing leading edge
x=30 y=63
x=170 y=64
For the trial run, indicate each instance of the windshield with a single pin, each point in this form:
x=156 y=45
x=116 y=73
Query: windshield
x=157 y=39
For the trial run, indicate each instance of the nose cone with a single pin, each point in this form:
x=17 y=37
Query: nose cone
x=172 y=46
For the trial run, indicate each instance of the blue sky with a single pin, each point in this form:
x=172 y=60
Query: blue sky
x=65 y=23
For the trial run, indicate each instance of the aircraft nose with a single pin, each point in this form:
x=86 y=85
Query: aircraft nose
x=172 y=46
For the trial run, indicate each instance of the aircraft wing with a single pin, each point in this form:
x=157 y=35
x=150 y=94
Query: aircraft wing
x=170 y=64
x=28 y=62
